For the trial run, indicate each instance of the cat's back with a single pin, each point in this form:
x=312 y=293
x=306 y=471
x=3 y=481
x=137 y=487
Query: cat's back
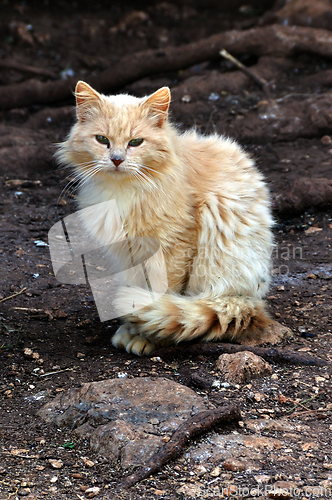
x=215 y=163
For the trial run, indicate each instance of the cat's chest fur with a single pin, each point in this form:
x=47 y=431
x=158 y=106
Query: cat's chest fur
x=137 y=214
x=169 y=221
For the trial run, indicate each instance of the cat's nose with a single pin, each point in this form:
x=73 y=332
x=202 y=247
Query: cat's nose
x=117 y=159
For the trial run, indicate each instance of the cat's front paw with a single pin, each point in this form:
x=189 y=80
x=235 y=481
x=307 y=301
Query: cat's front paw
x=123 y=336
x=140 y=346
x=126 y=337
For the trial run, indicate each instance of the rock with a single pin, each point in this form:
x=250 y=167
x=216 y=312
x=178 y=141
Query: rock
x=271 y=425
x=262 y=478
x=200 y=470
x=88 y=462
x=249 y=450
x=56 y=464
x=234 y=465
x=191 y=490
x=273 y=333
x=326 y=140
x=215 y=472
x=92 y=492
x=262 y=424
x=282 y=489
x=28 y=353
x=242 y=366
x=23 y=492
x=116 y=415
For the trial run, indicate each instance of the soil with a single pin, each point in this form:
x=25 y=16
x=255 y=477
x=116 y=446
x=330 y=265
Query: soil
x=60 y=324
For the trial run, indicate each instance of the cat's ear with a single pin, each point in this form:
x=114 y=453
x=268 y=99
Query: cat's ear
x=158 y=104
x=86 y=97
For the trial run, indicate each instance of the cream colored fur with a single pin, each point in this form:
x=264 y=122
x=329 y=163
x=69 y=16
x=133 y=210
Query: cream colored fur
x=201 y=197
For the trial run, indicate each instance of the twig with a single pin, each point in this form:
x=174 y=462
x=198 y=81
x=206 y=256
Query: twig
x=59 y=371
x=29 y=457
x=194 y=426
x=306 y=401
x=309 y=411
x=212 y=349
x=258 y=79
x=14 y=294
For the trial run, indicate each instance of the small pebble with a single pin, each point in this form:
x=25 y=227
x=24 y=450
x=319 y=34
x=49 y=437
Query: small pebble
x=87 y=462
x=28 y=353
x=154 y=421
x=92 y=492
x=215 y=472
x=200 y=470
x=23 y=492
x=213 y=97
x=326 y=140
x=234 y=465
x=56 y=464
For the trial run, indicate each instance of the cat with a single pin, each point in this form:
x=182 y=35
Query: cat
x=200 y=196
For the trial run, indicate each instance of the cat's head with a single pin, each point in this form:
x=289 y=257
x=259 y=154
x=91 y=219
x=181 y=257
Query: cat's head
x=119 y=138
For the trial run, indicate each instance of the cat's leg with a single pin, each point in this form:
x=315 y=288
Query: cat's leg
x=127 y=337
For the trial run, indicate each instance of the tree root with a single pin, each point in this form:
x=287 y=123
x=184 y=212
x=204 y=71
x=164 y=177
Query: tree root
x=304 y=193
x=194 y=426
x=214 y=350
x=274 y=40
x=286 y=118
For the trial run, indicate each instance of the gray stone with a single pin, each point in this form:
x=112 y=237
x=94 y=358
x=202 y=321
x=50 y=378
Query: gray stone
x=125 y=419
x=249 y=450
x=263 y=425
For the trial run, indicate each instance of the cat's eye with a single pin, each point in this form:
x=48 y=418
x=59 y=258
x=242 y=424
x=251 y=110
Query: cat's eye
x=103 y=140
x=135 y=142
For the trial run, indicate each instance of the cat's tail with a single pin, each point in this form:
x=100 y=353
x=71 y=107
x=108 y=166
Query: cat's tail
x=175 y=318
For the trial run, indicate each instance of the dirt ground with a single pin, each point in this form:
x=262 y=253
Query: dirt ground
x=60 y=324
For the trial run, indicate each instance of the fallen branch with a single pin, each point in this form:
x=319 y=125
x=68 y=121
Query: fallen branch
x=211 y=349
x=24 y=68
x=194 y=426
x=274 y=40
x=304 y=193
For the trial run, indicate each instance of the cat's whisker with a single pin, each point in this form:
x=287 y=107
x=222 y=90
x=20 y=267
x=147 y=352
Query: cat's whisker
x=86 y=164
x=141 y=167
x=145 y=167
x=148 y=179
x=143 y=180
x=141 y=175
x=89 y=176
x=151 y=181
x=152 y=170
x=80 y=176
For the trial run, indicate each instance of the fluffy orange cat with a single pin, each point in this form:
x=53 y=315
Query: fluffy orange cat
x=200 y=196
